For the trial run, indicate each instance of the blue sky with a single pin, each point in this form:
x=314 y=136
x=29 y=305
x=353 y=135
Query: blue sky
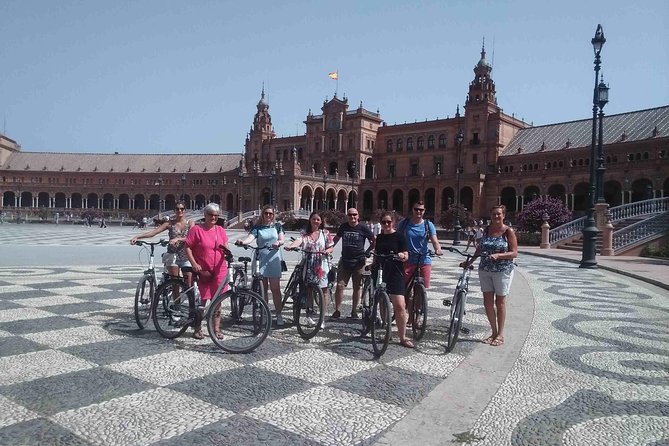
x=184 y=77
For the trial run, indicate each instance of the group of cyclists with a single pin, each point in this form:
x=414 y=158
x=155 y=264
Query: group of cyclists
x=196 y=247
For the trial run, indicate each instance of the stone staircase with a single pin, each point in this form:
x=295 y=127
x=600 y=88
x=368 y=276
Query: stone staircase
x=576 y=244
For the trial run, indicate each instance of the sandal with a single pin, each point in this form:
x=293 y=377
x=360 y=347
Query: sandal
x=198 y=334
x=218 y=335
x=499 y=340
x=488 y=340
x=406 y=343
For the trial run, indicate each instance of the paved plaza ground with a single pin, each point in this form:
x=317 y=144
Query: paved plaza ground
x=586 y=361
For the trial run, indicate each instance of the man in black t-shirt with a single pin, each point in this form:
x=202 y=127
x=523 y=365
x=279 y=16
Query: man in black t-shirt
x=352 y=261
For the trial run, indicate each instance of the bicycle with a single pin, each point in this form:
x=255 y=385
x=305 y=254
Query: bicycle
x=257 y=283
x=239 y=280
x=416 y=299
x=147 y=285
x=459 y=300
x=376 y=317
x=305 y=292
x=176 y=307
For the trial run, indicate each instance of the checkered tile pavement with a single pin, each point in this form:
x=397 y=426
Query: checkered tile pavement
x=74 y=369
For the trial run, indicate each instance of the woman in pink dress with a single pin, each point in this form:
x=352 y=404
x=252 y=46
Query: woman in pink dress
x=208 y=261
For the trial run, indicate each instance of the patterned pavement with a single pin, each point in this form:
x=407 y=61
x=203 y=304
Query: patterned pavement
x=74 y=369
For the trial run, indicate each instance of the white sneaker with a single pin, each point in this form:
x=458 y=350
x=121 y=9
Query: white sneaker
x=279 y=320
x=309 y=322
x=322 y=325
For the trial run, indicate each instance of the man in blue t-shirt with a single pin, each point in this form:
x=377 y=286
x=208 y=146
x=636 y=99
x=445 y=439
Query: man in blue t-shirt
x=352 y=261
x=414 y=229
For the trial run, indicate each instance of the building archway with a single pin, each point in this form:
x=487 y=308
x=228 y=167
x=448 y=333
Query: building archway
x=123 y=201
x=60 y=200
x=43 y=200
x=26 y=200
x=641 y=189
x=508 y=198
x=199 y=201
x=430 y=204
x=341 y=201
x=383 y=199
x=398 y=201
x=9 y=198
x=107 y=201
x=581 y=197
x=170 y=202
x=447 y=198
x=77 y=201
x=613 y=193
x=369 y=169
x=368 y=203
x=154 y=202
x=467 y=199
x=557 y=191
x=414 y=196
x=305 y=198
x=229 y=202
x=92 y=200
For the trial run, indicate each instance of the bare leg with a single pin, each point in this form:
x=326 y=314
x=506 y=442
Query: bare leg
x=500 y=303
x=276 y=293
x=339 y=294
x=489 y=304
x=401 y=315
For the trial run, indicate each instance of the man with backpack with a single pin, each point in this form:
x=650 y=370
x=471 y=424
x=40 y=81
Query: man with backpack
x=419 y=233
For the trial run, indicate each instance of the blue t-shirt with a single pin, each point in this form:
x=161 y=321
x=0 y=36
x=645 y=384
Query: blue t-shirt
x=417 y=240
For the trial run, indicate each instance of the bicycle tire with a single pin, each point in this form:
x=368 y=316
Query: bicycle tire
x=143 y=299
x=240 y=335
x=258 y=286
x=456 y=320
x=238 y=281
x=290 y=290
x=367 y=303
x=419 y=311
x=381 y=323
x=171 y=316
x=308 y=324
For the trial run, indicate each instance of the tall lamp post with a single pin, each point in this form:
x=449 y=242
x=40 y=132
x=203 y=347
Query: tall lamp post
x=183 y=186
x=590 y=231
x=602 y=100
x=325 y=189
x=460 y=137
x=353 y=173
x=159 y=183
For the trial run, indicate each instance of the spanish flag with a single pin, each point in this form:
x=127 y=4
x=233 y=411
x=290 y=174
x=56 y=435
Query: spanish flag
x=334 y=75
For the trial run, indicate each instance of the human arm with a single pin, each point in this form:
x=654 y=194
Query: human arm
x=434 y=240
x=329 y=243
x=280 y=237
x=247 y=240
x=196 y=266
x=151 y=233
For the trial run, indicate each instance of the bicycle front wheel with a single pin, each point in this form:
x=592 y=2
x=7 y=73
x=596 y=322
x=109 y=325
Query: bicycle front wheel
x=456 y=319
x=243 y=334
x=258 y=287
x=239 y=281
x=381 y=324
x=419 y=311
x=143 y=298
x=309 y=312
x=171 y=310
x=367 y=303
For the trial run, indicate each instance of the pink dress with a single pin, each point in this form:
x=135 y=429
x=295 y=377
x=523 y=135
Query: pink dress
x=204 y=245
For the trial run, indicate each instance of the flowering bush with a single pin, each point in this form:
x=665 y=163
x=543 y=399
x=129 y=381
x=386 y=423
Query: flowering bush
x=531 y=217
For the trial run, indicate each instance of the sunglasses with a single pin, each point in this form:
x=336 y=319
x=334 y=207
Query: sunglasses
x=268 y=213
x=352 y=215
x=180 y=209
x=419 y=209
x=387 y=222
x=213 y=215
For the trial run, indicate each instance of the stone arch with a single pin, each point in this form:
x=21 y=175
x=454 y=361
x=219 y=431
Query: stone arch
x=383 y=199
x=9 y=198
x=306 y=196
x=43 y=200
x=581 y=197
x=341 y=200
x=92 y=200
x=368 y=202
x=557 y=191
x=369 y=169
x=447 y=198
x=229 y=202
x=414 y=196
x=467 y=199
x=60 y=200
x=508 y=198
x=107 y=201
x=398 y=201
x=430 y=202
x=199 y=201
x=77 y=201
x=26 y=200
x=170 y=201
x=613 y=193
x=123 y=201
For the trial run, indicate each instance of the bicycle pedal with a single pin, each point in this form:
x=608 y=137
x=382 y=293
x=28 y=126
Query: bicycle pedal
x=446 y=302
x=464 y=330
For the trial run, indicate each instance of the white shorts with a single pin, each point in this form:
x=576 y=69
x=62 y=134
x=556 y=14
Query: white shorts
x=497 y=282
x=170 y=259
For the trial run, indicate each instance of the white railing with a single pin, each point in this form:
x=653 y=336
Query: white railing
x=618 y=213
x=646 y=207
x=250 y=214
x=565 y=231
x=639 y=232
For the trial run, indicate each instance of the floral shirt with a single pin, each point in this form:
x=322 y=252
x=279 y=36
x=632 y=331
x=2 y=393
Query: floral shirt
x=492 y=245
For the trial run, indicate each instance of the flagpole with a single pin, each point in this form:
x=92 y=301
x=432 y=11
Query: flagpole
x=337 y=85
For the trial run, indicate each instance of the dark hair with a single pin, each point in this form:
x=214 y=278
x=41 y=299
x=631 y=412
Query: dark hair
x=499 y=206
x=387 y=214
x=179 y=202
x=308 y=230
x=419 y=203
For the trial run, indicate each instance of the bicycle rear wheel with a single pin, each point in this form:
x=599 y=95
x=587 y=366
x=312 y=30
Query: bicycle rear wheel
x=241 y=335
x=419 y=311
x=380 y=325
x=143 y=298
x=309 y=312
x=258 y=287
x=171 y=309
x=458 y=311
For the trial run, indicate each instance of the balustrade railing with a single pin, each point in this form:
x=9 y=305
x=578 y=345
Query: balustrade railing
x=637 y=232
x=618 y=213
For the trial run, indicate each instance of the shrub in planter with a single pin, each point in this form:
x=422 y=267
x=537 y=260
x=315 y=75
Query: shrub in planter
x=531 y=217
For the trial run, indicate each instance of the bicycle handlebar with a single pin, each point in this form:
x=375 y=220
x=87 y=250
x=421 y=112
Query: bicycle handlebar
x=162 y=242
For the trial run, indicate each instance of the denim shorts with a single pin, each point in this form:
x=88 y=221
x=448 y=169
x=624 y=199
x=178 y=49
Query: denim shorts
x=497 y=282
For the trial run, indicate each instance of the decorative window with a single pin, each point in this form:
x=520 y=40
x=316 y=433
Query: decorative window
x=409 y=144
x=419 y=143
x=442 y=140
x=389 y=145
x=399 y=144
x=430 y=142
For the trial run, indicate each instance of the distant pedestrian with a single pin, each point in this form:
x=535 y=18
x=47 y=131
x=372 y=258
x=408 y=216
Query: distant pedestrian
x=57 y=217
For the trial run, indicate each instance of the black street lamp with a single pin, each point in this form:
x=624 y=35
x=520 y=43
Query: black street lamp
x=325 y=189
x=183 y=186
x=590 y=231
x=353 y=173
x=602 y=99
x=159 y=183
x=460 y=137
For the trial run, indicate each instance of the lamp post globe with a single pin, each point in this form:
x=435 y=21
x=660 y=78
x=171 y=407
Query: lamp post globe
x=460 y=137
x=590 y=231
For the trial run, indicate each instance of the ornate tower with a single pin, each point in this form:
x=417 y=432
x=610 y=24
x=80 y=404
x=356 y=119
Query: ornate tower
x=259 y=139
